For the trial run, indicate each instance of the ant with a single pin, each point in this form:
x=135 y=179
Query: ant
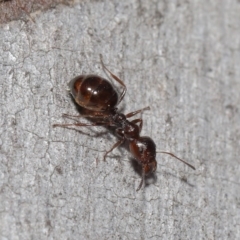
x=99 y=100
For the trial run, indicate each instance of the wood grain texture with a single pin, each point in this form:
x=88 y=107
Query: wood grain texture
x=11 y=10
x=182 y=59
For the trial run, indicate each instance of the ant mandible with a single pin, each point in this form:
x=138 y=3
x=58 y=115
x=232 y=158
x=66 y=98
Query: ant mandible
x=99 y=100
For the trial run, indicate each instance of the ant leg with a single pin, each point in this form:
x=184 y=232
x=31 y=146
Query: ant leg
x=83 y=116
x=142 y=181
x=116 y=78
x=120 y=134
x=136 y=112
x=137 y=121
x=82 y=124
x=88 y=114
x=71 y=116
x=114 y=146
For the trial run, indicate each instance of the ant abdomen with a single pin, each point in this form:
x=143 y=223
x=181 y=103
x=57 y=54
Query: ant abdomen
x=93 y=92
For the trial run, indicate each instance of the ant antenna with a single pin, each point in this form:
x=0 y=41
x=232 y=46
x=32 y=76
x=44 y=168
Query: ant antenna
x=171 y=154
x=114 y=77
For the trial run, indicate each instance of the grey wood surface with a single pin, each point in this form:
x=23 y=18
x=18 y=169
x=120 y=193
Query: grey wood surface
x=182 y=59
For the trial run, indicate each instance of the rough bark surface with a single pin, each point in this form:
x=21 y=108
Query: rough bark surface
x=180 y=58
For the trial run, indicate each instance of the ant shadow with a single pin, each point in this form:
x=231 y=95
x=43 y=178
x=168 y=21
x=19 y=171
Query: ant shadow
x=183 y=179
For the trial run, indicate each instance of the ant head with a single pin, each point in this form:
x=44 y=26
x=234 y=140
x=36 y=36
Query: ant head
x=150 y=167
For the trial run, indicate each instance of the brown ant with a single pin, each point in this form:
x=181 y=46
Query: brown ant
x=98 y=98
